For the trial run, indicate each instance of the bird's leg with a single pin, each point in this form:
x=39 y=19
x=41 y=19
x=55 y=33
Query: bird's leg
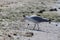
x=34 y=26
x=38 y=26
x=28 y=26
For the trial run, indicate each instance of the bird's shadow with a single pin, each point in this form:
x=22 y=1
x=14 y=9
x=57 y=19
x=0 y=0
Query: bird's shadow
x=37 y=30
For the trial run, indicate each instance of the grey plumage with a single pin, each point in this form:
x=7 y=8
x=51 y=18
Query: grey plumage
x=36 y=20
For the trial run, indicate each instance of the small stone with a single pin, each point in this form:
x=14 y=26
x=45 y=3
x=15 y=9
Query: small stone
x=32 y=11
x=15 y=34
x=53 y=9
x=23 y=15
x=56 y=25
x=41 y=11
x=59 y=8
x=9 y=35
x=29 y=34
x=28 y=24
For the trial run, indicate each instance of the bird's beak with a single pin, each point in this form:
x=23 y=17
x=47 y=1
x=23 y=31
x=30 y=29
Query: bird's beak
x=22 y=20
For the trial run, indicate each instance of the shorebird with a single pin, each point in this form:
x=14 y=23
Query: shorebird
x=35 y=19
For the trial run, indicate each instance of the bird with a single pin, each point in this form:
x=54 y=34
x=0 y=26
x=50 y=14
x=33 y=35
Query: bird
x=35 y=19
